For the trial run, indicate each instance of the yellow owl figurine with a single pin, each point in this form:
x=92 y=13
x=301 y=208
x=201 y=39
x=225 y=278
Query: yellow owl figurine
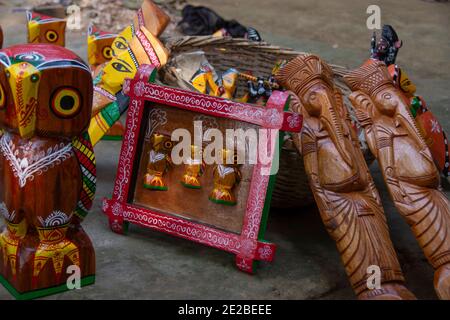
x=226 y=176
x=99 y=46
x=194 y=168
x=45 y=29
x=159 y=162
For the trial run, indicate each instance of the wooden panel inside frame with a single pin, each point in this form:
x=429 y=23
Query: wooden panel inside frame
x=185 y=201
x=237 y=228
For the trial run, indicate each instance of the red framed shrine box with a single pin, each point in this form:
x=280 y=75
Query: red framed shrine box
x=222 y=205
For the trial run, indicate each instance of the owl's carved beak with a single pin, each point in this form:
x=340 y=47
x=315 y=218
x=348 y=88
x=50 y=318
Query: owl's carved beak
x=24 y=81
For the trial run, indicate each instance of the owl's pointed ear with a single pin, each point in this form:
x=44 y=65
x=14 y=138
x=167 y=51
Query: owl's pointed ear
x=24 y=79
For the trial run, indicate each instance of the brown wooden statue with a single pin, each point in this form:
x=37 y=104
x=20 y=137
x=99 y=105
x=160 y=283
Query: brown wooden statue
x=47 y=169
x=407 y=164
x=348 y=201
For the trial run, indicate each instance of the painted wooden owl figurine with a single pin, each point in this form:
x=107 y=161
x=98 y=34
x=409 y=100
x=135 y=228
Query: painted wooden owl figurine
x=99 y=46
x=226 y=176
x=45 y=29
x=47 y=169
x=193 y=169
x=159 y=162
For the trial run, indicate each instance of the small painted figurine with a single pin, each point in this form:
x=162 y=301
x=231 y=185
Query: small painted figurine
x=159 y=162
x=386 y=50
x=259 y=93
x=229 y=81
x=47 y=169
x=226 y=176
x=99 y=46
x=204 y=80
x=45 y=29
x=193 y=169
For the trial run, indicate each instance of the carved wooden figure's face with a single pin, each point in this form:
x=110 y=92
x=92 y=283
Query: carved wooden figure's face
x=45 y=91
x=320 y=102
x=122 y=41
x=44 y=29
x=161 y=143
x=388 y=101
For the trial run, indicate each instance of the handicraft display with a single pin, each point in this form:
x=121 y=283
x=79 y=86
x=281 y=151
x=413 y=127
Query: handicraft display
x=220 y=204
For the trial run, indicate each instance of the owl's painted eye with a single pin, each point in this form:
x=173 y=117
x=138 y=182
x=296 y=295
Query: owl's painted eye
x=120 y=67
x=2 y=98
x=66 y=102
x=51 y=36
x=107 y=52
x=34 y=78
x=168 y=144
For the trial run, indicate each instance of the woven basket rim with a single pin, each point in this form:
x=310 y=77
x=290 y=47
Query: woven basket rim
x=174 y=43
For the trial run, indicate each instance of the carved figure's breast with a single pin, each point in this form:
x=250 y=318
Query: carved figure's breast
x=410 y=165
x=336 y=174
x=38 y=175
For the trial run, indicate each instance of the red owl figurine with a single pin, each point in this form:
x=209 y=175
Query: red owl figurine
x=47 y=169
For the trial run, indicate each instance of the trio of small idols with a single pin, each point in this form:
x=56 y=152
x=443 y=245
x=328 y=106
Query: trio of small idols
x=226 y=174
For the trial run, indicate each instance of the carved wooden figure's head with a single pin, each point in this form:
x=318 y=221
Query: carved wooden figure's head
x=144 y=48
x=312 y=80
x=45 y=29
x=122 y=41
x=161 y=143
x=45 y=91
x=374 y=80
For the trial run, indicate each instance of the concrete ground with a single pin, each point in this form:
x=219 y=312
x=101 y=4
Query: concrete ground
x=151 y=265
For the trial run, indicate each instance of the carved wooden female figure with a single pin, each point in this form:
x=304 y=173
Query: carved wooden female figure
x=407 y=164
x=348 y=201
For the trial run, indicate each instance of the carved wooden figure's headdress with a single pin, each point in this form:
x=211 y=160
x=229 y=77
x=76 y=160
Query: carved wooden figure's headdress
x=306 y=70
x=369 y=78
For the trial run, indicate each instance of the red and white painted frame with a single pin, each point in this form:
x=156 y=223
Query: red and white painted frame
x=246 y=246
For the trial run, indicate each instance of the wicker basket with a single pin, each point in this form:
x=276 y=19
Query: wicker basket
x=291 y=188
